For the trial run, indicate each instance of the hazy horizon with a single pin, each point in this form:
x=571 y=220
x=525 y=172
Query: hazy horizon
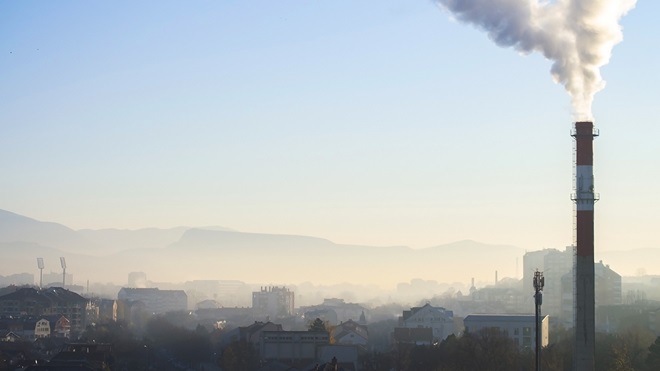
x=378 y=123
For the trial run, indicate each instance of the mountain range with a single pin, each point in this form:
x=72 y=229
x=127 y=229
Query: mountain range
x=184 y=253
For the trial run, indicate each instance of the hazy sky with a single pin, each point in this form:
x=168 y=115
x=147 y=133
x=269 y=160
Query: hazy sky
x=364 y=122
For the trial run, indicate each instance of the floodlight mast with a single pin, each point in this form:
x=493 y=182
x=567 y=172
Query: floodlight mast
x=63 y=262
x=40 y=264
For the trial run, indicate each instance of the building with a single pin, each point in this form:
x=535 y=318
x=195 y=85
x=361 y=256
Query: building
x=138 y=279
x=107 y=310
x=520 y=328
x=334 y=311
x=274 y=301
x=559 y=274
x=54 y=279
x=554 y=264
x=607 y=288
x=45 y=302
x=412 y=336
x=294 y=348
x=81 y=356
x=226 y=292
x=351 y=333
x=607 y=285
x=155 y=300
x=438 y=319
x=252 y=333
x=32 y=328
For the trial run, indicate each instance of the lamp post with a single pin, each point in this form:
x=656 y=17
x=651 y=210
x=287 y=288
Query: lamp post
x=539 y=282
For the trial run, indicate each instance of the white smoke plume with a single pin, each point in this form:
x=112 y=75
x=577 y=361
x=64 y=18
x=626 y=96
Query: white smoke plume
x=577 y=35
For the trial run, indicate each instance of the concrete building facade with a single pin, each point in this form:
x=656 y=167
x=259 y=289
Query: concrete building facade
x=274 y=301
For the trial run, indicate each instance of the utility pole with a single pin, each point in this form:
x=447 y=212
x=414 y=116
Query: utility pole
x=539 y=282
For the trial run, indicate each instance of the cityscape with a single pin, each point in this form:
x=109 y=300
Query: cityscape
x=230 y=324
x=345 y=186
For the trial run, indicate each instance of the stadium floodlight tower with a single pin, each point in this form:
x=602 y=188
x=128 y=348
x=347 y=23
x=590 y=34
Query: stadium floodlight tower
x=40 y=264
x=63 y=262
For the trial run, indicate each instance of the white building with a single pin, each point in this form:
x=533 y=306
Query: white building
x=521 y=328
x=42 y=328
x=440 y=320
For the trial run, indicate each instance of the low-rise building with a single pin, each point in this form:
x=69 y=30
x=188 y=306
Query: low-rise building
x=521 y=328
x=296 y=348
x=334 y=311
x=412 y=336
x=33 y=328
x=155 y=300
x=252 y=333
x=351 y=333
x=438 y=319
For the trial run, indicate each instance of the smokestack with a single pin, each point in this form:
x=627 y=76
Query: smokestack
x=584 y=198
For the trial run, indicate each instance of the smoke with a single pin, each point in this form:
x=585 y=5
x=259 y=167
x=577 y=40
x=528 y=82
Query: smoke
x=577 y=35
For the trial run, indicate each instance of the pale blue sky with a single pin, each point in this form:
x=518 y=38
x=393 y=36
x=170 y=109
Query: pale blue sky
x=364 y=122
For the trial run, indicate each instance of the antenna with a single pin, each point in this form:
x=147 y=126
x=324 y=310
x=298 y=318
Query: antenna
x=40 y=264
x=63 y=262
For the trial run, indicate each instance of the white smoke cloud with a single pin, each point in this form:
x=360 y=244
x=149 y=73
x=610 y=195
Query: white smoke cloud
x=577 y=35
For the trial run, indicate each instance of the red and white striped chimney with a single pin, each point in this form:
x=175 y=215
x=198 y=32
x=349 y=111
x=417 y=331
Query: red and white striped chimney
x=584 y=198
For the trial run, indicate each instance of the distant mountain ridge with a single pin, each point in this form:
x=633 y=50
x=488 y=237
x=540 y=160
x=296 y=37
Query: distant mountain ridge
x=182 y=253
x=18 y=228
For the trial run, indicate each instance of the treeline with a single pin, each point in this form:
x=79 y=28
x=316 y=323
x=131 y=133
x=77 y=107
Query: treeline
x=634 y=350
x=166 y=340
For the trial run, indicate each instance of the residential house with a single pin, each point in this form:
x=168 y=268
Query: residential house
x=438 y=319
x=350 y=333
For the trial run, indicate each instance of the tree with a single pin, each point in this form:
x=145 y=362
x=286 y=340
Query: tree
x=318 y=326
x=653 y=358
x=621 y=359
x=240 y=356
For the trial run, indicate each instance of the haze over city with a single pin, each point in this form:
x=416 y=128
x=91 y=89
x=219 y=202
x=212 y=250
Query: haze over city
x=379 y=123
x=341 y=185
